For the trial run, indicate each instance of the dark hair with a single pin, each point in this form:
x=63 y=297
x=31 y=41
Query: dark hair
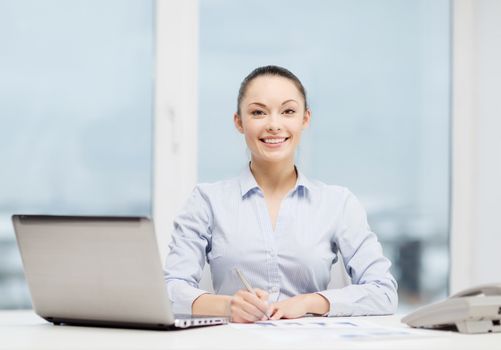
x=272 y=71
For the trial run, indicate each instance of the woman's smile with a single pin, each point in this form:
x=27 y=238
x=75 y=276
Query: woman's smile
x=274 y=142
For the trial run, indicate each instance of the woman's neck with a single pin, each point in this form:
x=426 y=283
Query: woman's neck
x=274 y=177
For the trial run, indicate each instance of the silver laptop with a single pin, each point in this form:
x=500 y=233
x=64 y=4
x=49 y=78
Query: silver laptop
x=97 y=271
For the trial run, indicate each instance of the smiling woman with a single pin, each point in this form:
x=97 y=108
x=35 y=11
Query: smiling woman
x=270 y=220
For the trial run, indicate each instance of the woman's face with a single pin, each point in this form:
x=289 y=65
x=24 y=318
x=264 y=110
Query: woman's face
x=272 y=118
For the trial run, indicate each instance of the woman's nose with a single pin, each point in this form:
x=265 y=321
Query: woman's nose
x=273 y=123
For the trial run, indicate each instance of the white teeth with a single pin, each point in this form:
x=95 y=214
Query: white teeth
x=273 y=140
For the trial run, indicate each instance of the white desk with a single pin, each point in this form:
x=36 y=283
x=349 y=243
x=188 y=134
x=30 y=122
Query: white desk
x=25 y=330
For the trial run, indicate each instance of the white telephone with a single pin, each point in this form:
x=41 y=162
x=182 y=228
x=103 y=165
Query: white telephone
x=474 y=310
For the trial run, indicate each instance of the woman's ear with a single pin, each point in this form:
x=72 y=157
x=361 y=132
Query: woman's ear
x=238 y=123
x=306 y=119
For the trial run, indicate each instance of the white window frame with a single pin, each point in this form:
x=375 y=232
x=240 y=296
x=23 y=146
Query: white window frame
x=176 y=110
x=475 y=235
x=463 y=146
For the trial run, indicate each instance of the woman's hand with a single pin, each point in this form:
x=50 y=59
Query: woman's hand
x=245 y=307
x=299 y=306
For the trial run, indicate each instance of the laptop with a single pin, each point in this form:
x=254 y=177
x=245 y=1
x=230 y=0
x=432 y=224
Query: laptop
x=98 y=271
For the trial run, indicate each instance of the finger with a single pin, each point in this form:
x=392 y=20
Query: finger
x=242 y=303
x=241 y=316
x=261 y=294
x=272 y=308
x=252 y=309
x=255 y=301
x=278 y=314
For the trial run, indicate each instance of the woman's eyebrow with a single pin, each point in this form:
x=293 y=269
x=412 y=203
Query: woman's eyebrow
x=264 y=106
x=291 y=100
x=257 y=103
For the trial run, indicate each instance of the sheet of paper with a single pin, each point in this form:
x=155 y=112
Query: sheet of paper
x=300 y=323
x=328 y=329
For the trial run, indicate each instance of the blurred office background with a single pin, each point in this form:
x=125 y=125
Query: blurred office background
x=76 y=98
x=76 y=107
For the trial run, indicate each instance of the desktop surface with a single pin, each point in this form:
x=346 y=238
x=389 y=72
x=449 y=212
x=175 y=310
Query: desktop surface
x=25 y=330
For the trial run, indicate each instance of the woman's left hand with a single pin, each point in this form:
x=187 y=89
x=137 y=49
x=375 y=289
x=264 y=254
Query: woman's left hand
x=299 y=306
x=290 y=308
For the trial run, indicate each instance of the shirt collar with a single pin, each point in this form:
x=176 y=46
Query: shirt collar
x=248 y=182
x=302 y=181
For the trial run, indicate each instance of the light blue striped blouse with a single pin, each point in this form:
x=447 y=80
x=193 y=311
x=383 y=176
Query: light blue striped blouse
x=227 y=224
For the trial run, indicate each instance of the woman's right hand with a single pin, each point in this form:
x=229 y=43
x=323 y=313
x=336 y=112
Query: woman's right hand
x=245 y=307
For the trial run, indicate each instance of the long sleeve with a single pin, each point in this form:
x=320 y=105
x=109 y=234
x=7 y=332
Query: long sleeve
x=188 y=249
x=374 y=290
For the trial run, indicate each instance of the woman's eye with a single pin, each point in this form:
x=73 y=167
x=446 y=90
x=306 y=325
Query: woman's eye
x=257 y=113
x=289 y=111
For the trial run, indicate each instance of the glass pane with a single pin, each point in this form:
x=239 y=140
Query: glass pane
x=377 y=75
x=76 y=108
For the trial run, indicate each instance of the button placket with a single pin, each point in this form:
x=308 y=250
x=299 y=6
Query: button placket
x=274 y=236
x=263 y=219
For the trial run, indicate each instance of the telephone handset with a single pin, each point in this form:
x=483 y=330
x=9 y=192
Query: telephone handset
x=473 y=310
x=486 y=289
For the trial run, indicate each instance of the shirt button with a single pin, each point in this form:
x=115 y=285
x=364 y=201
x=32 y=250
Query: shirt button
x=274 y=290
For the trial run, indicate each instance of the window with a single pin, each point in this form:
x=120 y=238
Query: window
x=76 y=98
x=378 y=78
